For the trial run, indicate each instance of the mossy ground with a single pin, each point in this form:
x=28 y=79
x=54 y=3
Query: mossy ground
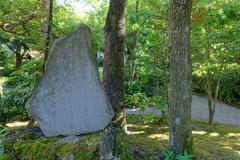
x=29 y=147
x=211 y=142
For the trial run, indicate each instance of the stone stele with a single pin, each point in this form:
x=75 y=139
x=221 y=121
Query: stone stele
x=70 y=99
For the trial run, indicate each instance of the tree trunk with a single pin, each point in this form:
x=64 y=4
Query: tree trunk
x=211 y=107
x=18 y=54
x=180 y=91
x=49 y=30
x=114 y=33
x=211 y=99
x=18 y=60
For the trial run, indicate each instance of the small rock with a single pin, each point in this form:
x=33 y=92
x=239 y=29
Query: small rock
x=68 y=157
x=69 y=140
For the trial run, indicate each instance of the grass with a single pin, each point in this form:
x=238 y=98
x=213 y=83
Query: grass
x=211 y=142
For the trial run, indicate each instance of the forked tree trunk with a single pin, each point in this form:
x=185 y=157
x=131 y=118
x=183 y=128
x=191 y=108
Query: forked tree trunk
x=180 y=92
x=212 y=98
x=114 y=33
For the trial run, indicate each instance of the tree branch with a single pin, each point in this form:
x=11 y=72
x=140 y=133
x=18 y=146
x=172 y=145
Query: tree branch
x=9 y=27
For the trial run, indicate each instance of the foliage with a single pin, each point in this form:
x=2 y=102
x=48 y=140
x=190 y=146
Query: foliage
x=24 y=81
x=15 y=13
x=184 y=156
x=4 y=131
x=137 y=100
x=229 y=87
x=5 y=62
x=145 y=71
x=140 y=100
x=170 y=155
x=215 y=41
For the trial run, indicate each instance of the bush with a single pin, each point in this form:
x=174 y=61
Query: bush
x=23 y=81
x=229 y=87
x=6 y=64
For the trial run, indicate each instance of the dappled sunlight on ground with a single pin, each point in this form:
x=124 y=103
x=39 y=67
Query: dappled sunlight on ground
x=159 y=136
x=199 y=132
x=17 y=124
x=211 y=142
x=135 y=132
x=214 y=134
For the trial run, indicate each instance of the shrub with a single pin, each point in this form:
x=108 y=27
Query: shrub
x=229 y=87
x=23 y=82
x=5 y=63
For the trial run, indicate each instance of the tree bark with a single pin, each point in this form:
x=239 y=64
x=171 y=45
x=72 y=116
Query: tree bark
x=114 y=33
x=211 y=107
x=211 y=99
x=19 y=58
x=180 y=89
x=18 y=54
x=49 y=30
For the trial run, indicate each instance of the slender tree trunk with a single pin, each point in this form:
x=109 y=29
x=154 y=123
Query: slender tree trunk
x=114 y=33
x=180 y=91
x=211 y=104
x=18 y=60
x=211 y=99
x=19 y=56
x=49 y=30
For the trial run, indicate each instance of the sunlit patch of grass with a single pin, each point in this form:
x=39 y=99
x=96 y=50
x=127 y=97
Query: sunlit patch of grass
x=211 y=142
x=17 y=124
x=199 y=132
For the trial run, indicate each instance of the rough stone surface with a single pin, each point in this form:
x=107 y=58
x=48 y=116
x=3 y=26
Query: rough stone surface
x=70 y=99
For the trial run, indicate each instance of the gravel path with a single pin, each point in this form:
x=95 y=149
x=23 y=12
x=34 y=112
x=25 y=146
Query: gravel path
x=224 y=113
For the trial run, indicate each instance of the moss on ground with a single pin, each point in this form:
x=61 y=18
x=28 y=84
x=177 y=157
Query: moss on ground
x=48 y=149
x=143 y=141
x=211 y=142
